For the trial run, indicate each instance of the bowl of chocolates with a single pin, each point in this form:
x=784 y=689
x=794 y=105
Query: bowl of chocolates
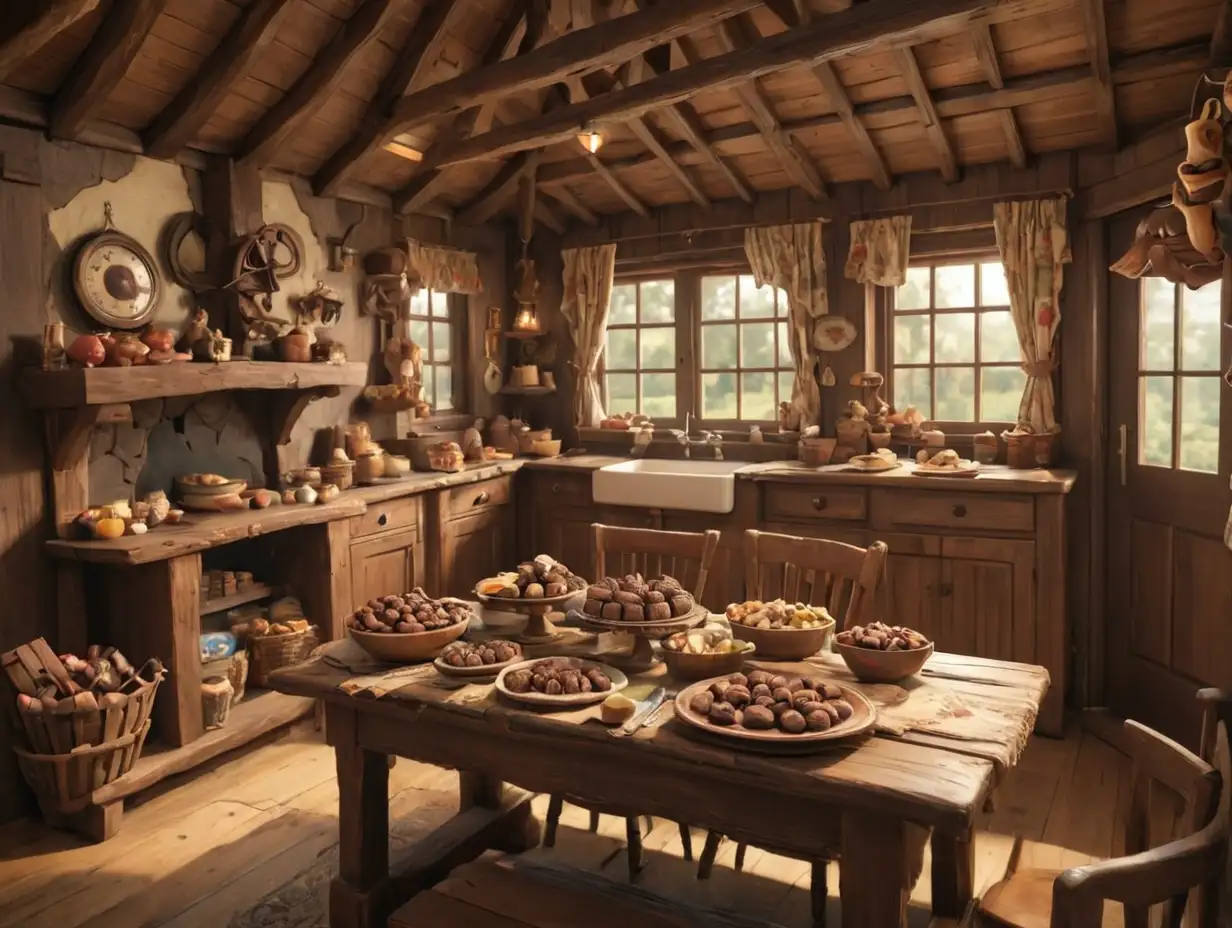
x=652 y=608
x=560 y=681
x=405 y=627
x=880 y=653
x=477 y=658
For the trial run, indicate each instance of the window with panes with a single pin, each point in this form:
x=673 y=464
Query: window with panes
x=640 y=357
x=432 y=329
x=952 y=344
x=1178 y=376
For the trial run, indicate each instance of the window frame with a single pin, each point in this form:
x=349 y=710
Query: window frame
x=1177 y=374
x=636 y=326
x=884 y=339
x=455 y=317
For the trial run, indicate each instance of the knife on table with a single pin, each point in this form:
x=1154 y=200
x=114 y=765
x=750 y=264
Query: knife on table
x=644 y=709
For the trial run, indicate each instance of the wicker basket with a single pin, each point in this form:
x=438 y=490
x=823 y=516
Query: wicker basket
x=1019 y=450
x=65 y=783
x=339 y=475
x=271 y=652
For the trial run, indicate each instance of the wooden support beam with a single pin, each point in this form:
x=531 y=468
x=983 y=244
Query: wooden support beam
x=183 y=118
x=910 y=69
x=119 y=37
x=308 y=93
x=1101 y=69
x=564 y=196
x=422 y=190
x=416 y=57
x=526 y=205
x=547 y=217
x=618 y=188
x=50 y=21
x=575 y=52
x=534 y=21
x=986 y=52
x=1013 y=138
x=1220 y=51
x=499 y=190
x=830 y=37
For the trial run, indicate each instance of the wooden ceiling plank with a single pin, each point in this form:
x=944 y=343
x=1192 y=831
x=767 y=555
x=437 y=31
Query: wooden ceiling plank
x=1096 y=28
x=564 y=196
x=314 y=87
x=986 y=53
x=534 y=17
x=187 y=114
x=573 y=53
x=415 y=58
x=499 y=190
x=422 y=190
x=546 y=216
x=910 y=69
x=1013 y=138
x=53 y=19
x=618 y=188
x=830 y=37
x=119 y=38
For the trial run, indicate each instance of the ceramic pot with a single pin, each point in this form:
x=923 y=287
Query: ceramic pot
x=295 y=348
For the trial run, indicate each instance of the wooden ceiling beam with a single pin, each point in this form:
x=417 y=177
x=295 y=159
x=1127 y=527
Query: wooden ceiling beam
x=187 y=114
x=497 y=192
x=573 y=53
x=986 y=54
x=793 y=12
x=1096 y=29
x=414 y=60
x=120 y=36
x=618 y=188
x=546 y=216
x=535 y=20
x=54 y=18
x=829 y=37
x=420 y=191
x=910 y=69
x=1013 y=139
x=313 y=88
x=564 y=196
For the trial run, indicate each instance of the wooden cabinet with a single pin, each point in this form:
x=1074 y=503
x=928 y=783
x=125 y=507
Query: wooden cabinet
x=384 y=564
x=472 y=531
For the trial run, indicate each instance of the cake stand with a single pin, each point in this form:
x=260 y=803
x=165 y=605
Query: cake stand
x=643 y=656
x=538 y=627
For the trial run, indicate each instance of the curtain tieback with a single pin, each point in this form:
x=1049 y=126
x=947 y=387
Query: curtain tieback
x=1039 y=369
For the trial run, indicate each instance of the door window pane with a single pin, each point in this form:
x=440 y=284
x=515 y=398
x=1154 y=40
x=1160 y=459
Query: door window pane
x=1155 y=422
x=954 y=340
x=1158 y=335
x=1200 y=329
x=1200 y=424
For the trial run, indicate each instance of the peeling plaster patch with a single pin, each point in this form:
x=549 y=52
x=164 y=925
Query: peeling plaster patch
x=143 y=201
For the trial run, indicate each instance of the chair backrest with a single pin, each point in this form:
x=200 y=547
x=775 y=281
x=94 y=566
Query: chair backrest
x=841 y=577
x=1176 y=833
x=687 y=556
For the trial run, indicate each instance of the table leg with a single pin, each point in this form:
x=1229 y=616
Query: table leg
x=881 y=859
x=363 y=826
x=520 y=830
x=953 y=875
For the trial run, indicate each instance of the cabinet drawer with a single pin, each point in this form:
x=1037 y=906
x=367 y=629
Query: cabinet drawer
x=955 y=510
x=797 y=503
x=559 y=490
x=387 y=516
x=478 y=497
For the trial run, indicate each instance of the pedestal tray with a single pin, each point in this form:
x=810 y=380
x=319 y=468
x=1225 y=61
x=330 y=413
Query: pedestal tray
x=538 y=628
x=643 y=633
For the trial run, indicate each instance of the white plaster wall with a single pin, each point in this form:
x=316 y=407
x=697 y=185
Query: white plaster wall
x=142 y=203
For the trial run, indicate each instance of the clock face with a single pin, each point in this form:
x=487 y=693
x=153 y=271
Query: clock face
x=117 y=282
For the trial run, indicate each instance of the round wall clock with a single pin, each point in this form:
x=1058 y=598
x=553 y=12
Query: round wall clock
x=116 y=279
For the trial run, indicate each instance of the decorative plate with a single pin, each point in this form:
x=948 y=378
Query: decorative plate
x=535 y=698
x=863 y=715
x=964 y=469
x=873 y=463
x=117 y=280
x=833 y=333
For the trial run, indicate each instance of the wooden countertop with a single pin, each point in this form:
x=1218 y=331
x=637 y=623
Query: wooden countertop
x=419 y=482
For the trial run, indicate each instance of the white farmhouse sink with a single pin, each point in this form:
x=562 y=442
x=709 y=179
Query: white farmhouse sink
x=699 y=486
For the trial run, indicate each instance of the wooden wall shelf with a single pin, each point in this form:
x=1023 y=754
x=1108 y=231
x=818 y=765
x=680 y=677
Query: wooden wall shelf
x=252 y=594
x=97 y=386
x=527 y=391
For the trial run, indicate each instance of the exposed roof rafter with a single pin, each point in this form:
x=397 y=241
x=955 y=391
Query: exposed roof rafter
x=1101 y=69
x=910 y=69
x=54 y=18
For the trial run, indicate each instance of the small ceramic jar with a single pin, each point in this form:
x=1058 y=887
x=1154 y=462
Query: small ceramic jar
x=305 y=494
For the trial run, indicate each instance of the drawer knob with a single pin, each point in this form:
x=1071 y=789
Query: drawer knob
x=959 y=511
x=382 y=519
x=556 y=489
x=946 y=589
x=482 y=498
x=819 y=503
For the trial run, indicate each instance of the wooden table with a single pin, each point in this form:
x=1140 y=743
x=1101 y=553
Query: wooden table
x=875 y=800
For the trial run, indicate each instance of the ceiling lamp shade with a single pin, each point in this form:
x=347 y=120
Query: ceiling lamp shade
x=592 y=141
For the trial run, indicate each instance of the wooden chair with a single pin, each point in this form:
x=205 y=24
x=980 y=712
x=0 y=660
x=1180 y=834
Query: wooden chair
x=817 y=571
x=1191 y=857
x=618 y=551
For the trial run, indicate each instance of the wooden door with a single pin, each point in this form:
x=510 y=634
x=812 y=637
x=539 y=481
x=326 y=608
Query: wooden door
x=474 y=547
x=384 y=564
x=1170 y=574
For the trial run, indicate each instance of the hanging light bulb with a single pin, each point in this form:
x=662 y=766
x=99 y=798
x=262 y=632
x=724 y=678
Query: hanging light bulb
x=591 y=141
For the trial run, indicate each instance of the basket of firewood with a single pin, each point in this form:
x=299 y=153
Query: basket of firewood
x=83 y=720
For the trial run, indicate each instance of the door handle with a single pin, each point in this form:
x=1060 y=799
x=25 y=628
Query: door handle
x=1123 y=451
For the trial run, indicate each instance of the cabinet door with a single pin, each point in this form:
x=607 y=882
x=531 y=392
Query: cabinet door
x=474 y=547
x=912 y=591
x=988 y=598
x=387 y=564
x=565 y=534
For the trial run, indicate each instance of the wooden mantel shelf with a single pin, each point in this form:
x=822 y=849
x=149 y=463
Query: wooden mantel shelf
x=98 y=386
x=200 y=531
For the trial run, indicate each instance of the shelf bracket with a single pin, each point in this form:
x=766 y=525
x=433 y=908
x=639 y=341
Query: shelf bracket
x=68 y=445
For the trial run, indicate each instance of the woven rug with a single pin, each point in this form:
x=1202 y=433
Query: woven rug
x=303 y=901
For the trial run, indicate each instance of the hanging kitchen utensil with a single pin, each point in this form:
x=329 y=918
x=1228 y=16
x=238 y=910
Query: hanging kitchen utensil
x=492 y=380
x=827 y=377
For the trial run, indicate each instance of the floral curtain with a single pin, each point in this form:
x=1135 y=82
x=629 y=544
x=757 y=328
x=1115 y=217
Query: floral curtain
x=587 y=293
x=879 y=251
x=1034 y=249
x=445 y=270
x=791 y=257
